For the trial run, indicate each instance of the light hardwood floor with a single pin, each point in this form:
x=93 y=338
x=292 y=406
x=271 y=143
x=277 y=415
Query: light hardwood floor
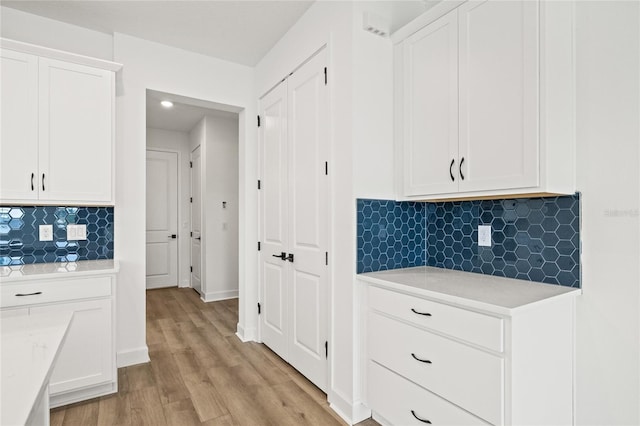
x=201 y=374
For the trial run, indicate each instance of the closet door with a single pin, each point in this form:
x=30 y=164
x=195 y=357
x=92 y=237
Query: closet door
x=308 y=219
x=273 y=208
x=498 y=95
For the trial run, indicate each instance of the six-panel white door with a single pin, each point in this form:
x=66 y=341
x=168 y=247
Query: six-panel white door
x=162 y=219
x=75 y=146
x=19 y=126
x=430 y=86
x=498 y=60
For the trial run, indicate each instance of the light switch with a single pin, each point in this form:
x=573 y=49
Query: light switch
x=46 y=232
x=76 y=232
x=484 y=235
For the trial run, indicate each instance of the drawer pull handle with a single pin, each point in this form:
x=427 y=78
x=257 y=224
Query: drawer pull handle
x=426 y=361
x=426 y=314
x=422 y=420
x=28 y=294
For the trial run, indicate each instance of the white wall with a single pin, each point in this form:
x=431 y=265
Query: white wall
x=170 y=70
x=28 y=28
x=221 y=237
x=167 y=140
x=608 y=136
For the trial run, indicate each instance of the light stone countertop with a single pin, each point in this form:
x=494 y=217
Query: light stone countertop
x=30 y=346
x=499 y=295
x=58 y=270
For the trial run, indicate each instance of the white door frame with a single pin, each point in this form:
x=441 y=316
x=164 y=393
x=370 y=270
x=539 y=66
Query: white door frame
x=201 y=150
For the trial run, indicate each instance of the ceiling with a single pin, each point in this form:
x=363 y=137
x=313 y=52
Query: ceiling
x=240 y=31
x=185 y=113
x=237 y=31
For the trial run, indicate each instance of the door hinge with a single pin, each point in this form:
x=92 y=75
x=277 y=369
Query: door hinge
x=326 y=168
x=258 y=245
x=191 y=164
x=325 y=76
x=191 y=199
x=326 y=349
x=259 y=308
x=259 y=184
x=191 y=234
x=326 y=258
x=258 y=121
x=191 y=268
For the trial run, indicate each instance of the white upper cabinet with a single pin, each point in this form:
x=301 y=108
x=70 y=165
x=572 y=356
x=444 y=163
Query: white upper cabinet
x=75 y=132
x=431 y=108
x=487 y=101
x=19 y=125
x=57 y=127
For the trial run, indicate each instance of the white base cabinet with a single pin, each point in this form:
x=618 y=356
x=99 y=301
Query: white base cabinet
x=86 y=365
x=443 y=359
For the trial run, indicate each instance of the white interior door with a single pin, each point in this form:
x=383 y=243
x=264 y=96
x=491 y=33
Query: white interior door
x=294 y=220
x=196 y=220
x=273 y=220
x=308 y=219
x=162 y=219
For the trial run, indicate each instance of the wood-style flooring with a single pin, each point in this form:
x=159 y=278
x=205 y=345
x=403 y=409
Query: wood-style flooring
x=201 y=374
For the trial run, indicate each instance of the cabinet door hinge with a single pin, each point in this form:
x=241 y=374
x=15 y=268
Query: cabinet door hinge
x=326 y=349
x=191 y=199
x=258 y=121
x=258 y=245
x=325 y=76
x=191 y=234
x=259 y=184
x=326 y=258
x=191 y=164
x=259 y=308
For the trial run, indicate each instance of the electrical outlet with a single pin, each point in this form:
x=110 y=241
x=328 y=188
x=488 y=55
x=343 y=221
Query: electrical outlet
x=484 y=235
x=76 y=232
x=46 y=232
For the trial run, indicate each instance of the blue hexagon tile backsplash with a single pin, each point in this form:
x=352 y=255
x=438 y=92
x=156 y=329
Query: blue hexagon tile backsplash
x=535 y=239
x=19 y=234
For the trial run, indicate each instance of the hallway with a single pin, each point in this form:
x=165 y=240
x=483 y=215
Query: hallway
x=200 y=373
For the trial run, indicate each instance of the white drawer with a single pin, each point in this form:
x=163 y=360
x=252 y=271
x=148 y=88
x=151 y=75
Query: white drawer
x=473 y=327
x=466 y=376
x=39 y=292
x=400 y=402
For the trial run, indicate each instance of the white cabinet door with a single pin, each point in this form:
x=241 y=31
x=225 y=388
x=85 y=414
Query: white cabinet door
x=87 y=356
x=273 y=220
x=19 y=124
x=75 y=115
x=498 y=62
x=431 y=108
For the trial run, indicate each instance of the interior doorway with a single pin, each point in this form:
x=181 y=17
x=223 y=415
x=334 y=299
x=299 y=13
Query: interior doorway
x=201 y=237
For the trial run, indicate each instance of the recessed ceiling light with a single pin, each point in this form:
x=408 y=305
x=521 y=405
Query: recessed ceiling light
x=166 y=104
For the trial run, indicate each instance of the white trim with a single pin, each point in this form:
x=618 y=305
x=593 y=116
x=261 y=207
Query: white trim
x=132 y=357
x=351 y=413
x=247 y=334
x=425 y=19
x=46 y=52
x=66 y=398
x=219 y=295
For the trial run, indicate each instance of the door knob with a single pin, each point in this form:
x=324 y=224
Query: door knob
x=281 y=256
x=290 y=257
x=173 y=236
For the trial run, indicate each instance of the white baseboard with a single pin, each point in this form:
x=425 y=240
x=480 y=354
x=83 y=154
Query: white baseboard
x=83 y=394
x=246 y=334
x=132 y=357
x=350 y=413
x=219 y=295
